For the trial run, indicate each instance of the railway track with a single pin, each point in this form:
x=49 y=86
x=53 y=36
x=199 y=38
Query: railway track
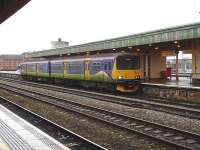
x=184 y=111
x=65 y=136
x=178 y=138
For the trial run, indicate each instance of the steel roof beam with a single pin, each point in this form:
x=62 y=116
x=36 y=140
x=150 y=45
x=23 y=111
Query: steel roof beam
x=191 y=31
x=9 y=7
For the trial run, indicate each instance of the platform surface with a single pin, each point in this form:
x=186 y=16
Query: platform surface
x=18 y=134
x=17 y=72
x=181 y=83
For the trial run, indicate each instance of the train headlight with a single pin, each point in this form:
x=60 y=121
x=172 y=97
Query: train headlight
x=119 y=77
x=137 y=77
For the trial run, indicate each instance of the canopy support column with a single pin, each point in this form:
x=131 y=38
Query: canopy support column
x=176 y=52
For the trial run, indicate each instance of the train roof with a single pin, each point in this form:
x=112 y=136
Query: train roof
x=42 y=61
x=77 y=58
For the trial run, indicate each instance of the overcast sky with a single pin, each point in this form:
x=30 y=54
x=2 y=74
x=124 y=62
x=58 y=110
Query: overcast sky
x=80 y=21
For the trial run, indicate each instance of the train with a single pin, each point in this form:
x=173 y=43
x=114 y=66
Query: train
x=116 y=71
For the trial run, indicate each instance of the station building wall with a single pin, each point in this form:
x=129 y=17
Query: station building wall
x=10 y=62
x=196 y=59
x=152 y=64
x=157 y=64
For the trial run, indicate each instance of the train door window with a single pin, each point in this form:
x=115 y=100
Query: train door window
x=109 y=66
x=86 y=66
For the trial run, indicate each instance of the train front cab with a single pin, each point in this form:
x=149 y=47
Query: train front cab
x=126 y=73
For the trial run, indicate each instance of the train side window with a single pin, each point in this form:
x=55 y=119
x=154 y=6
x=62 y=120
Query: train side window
x=105 y=66
x=96 y=66
x=87 y=66
x=75 y=68
x=31 y=68
x=57 y=68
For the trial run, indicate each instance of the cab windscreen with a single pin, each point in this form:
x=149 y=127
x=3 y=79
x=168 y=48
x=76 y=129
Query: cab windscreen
x=127 y=62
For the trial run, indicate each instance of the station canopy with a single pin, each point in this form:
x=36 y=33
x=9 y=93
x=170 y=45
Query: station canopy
x=163 y=37
x=9 y=7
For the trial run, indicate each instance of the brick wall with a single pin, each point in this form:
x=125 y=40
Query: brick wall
x=9 y=64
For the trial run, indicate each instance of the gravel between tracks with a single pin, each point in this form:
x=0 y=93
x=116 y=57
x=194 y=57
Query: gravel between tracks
x=110 y=137
x=191 y=125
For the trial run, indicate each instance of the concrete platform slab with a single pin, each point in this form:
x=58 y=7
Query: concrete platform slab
x=18 y=134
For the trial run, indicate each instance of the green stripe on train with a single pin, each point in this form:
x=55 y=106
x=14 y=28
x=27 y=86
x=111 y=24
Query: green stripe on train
x=31 y=73
x=100 y=76
x=39 y=74
x=75 y=76
x=57 y=75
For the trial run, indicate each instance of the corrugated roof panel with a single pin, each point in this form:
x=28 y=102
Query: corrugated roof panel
x=190 y=31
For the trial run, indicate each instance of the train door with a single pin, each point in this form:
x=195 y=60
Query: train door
x=87 y=70
x=106 y=69
x=65 y=69
x=49 y=69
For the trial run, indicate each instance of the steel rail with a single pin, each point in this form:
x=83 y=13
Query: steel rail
x=75 y=140
x=179 y=138
x=188 y=112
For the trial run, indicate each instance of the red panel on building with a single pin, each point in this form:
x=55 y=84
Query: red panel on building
x=9 y=7
x=10 y=62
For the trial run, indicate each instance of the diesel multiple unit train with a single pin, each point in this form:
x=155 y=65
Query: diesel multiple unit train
x=119 y=71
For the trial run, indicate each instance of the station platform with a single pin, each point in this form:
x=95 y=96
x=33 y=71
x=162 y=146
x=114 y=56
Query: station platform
x=182 y=83
x=171 y=89
x=11 y=72
x=18 y=134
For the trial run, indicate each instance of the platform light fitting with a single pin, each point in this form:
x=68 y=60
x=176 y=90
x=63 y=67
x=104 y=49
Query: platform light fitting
x=68 y=54
x=138 y=49
x=178 y=46
x=114 y=49
x=130 y=47
x=156 y=48
x=150 y=45
x=175 y=42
